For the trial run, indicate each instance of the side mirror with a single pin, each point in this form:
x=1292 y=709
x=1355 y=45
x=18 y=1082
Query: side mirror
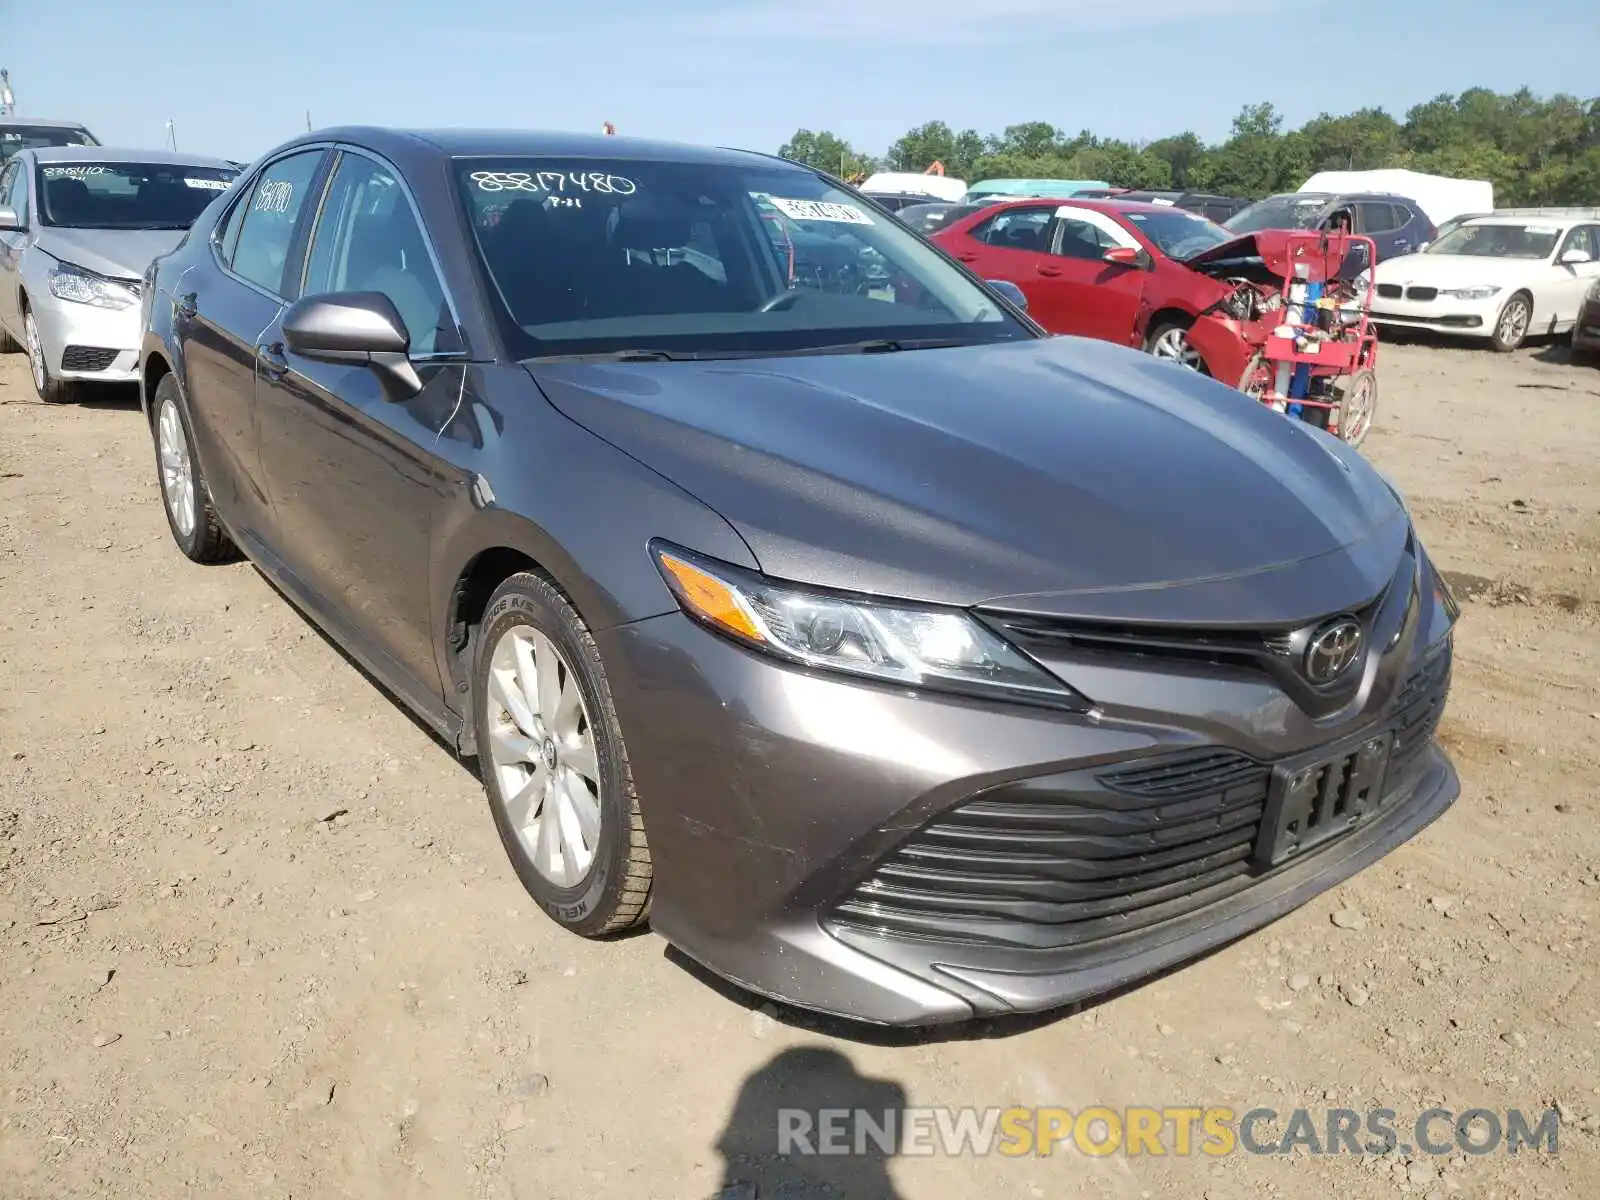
x=1010 y=291
x=1123 y=256
x=9 y=222
x=1575 y=256
x=354 y=327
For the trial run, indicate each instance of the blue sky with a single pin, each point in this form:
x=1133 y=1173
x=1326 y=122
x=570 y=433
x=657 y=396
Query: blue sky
x=238 y=78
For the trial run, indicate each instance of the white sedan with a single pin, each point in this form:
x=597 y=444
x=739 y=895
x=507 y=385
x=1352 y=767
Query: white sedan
x=1496 y=278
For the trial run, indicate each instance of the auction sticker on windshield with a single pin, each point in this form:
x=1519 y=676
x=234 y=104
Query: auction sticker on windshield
x=820 y=210
x=210 y=185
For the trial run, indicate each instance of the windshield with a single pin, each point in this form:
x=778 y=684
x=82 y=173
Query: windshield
x=1278 y=212
x=1179 y=234
x=111 y=195
x=1499 y=241
x=37 y=137
x=596 y=256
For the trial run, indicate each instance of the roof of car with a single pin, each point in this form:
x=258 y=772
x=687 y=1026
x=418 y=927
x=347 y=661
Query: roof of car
x=44 y=122
x=1094 y=203
x=1550 y=219
x=113 y=154
x=484 y=143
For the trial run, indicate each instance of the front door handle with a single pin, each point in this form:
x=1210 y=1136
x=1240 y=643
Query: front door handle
x=271 y=360
x=967 y=257
x=1049 y=271
x=186 y=306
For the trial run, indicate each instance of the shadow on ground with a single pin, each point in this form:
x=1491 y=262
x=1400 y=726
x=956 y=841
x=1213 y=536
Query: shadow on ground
x=775 y=1141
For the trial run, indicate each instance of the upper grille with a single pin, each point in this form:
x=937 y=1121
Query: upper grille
x=87 y=358
x=1422 y=293
x=1389 y=291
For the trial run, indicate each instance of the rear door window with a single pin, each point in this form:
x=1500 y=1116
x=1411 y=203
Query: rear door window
x=1375 y=217
x=269 y=219
x=1017 y=229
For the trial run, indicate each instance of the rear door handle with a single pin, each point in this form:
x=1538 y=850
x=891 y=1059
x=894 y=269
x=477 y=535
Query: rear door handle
x=271 y=360
x=967 y=257
x=1050 y=271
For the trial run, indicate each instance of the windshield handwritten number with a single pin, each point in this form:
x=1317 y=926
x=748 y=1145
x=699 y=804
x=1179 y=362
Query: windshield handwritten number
x=554 y=182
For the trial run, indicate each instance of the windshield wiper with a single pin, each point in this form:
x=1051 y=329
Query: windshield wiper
x=870 y=346
x=873 y=346
x=629 y=355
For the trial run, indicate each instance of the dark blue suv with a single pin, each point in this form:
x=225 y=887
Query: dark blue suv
x=1395 y=224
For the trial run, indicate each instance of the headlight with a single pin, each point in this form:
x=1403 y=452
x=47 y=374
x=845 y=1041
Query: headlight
x=943 y=649
x=1481 y=292
x=68 y=282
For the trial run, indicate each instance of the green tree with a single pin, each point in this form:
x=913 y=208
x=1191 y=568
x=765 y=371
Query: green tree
x=826 y=152
x=1533 y=150
x=935 y=142
x=1182 y=154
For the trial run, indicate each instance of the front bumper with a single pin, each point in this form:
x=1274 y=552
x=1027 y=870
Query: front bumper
x=782 y=808
x=82 y=342
x=1586 y=333
x=1444 y=314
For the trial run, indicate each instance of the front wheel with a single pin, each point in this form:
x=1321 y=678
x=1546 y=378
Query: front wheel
x=50 y=389
x=553 y=761
x=1511 y=327
x=1358 y=406
x=1171 y=343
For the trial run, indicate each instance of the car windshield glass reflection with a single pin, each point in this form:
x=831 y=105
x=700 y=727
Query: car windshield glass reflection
x=1498 y=241
x=1179 y=234
x=109 y=195
x=1278 y=212
x=688 y=259
x=15 y=138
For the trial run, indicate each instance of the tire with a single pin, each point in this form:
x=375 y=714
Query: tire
x=1255 y=380
x=1358 y=406
x=1169 y=342
x=51 y=390
x=185 y=497
x=592 y=876
x=1512 y=325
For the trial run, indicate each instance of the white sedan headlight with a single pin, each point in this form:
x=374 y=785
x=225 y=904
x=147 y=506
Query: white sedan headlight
x=68 y=282
x=1480 y=292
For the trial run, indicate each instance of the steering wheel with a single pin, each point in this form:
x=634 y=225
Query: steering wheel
x=781 y=302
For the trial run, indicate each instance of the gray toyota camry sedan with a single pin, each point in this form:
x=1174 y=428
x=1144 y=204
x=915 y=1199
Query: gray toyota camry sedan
x=794 y=591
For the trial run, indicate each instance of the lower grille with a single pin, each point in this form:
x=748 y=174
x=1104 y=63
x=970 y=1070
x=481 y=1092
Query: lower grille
x=87 y=358
x=1418 y=709
x=1389 y=291
x=1068 y=860
x=1422 y=293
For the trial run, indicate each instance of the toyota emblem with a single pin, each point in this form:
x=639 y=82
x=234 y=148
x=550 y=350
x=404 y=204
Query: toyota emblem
x=1333 y=650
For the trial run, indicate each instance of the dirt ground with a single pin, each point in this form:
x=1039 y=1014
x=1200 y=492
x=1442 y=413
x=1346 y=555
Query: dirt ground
x=258 y=938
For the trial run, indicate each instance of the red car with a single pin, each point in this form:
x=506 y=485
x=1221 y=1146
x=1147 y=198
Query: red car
x=1117 y=270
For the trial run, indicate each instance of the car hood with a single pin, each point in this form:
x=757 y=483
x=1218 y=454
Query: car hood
x=1270 y=248
x=1454 y=270
x=118 y=253
x=1055 y=475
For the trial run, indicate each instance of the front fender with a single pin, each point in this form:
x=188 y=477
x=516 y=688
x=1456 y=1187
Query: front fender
x=585 y=512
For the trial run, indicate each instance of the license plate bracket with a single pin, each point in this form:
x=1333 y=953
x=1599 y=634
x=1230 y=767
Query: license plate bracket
x=1318 y=798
